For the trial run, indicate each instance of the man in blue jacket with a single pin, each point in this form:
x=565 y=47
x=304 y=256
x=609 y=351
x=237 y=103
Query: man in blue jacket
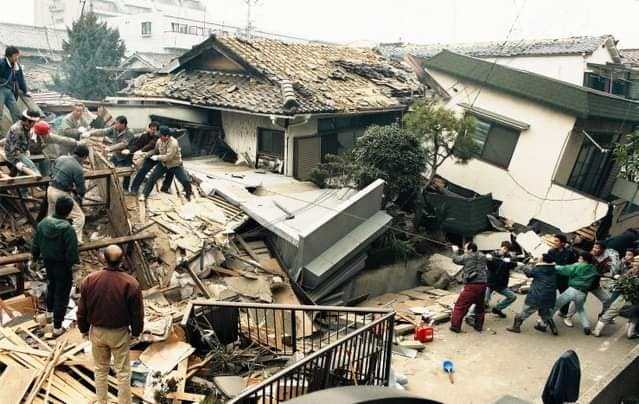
x=11 y=80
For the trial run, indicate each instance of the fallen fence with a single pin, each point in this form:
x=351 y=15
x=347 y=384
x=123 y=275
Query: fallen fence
x=355 y=348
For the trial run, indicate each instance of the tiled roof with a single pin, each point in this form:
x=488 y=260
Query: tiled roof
x=630 y=56
x=580 y=101
x=533 y=47
x=324 y=78
x=157 y=60
x=29 y=37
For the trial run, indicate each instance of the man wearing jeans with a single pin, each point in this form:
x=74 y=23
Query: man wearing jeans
x=11 y=80
x=169 y=157
x=110 y=312
x=581 y=276
x=620 y=301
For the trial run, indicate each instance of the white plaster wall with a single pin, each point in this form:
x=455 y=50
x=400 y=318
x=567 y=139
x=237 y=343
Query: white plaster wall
x=568 y=68
x=139 y=115
x=526 y=188
x=161 y=36
x=241 y=132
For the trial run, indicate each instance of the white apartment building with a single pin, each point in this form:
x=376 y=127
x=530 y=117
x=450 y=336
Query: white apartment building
x=61 y=13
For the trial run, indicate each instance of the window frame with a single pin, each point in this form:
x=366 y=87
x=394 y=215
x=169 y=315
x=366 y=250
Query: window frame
x=260 y=143
x=143 y=31
x=492 y=124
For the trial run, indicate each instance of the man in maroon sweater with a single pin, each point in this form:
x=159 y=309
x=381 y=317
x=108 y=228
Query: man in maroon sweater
x=110 y=312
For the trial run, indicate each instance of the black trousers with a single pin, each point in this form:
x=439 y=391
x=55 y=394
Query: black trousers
x=562 y=285
x=60 y=280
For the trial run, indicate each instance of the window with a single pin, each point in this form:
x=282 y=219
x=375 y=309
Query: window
x=181 y=28
x=592 y=169
x=192 y=30
x=496 y=143
x=146 y=28
x=270 y=142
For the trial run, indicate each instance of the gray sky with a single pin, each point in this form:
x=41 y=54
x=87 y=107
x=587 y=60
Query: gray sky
x=424 y=21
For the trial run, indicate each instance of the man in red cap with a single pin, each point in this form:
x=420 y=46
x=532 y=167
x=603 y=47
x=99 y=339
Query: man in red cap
x=41 y=138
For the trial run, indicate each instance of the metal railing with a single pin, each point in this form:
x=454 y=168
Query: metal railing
x=341 y=345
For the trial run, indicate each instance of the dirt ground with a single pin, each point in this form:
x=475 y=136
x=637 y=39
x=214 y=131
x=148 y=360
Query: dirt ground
x=495 y=363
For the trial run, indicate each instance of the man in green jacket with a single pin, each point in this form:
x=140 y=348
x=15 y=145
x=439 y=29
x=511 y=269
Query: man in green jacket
x=55 y=241
x=581 y=276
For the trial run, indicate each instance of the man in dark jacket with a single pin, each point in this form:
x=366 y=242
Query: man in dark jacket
x=110 y=312
x=562 y=254
x=474 y=277
x=541 y=296
x=56 y=243
x=11 y=80
x=118 y=137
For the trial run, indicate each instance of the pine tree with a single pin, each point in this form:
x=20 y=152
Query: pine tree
x=91 y=44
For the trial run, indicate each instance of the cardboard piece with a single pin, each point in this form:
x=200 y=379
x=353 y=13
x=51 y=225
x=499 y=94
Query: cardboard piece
x=532 y=243
x=165 y=356
x=490 y=240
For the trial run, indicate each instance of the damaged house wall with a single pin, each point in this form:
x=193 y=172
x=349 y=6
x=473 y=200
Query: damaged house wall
x=241 y=133
x=527 y=187
x=138 y=115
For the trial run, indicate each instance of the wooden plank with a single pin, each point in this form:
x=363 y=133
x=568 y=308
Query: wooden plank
x=15 y=382
x=181 y=377
x=181 y=396
x=248 y=248
x=92 y=245
x=28 y=182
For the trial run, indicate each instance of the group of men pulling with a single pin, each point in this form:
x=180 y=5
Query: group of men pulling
x=562 y=279
x=110 y=309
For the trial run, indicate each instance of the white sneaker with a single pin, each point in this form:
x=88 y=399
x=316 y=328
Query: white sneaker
x=568 y=322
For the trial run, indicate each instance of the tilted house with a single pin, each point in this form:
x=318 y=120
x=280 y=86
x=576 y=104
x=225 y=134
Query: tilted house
x=545 y=145
x=576 y=60
x=281 y=105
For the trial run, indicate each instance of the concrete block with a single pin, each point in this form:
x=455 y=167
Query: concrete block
x=403 y=329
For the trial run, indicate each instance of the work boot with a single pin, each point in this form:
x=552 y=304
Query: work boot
x=553 y=327
x=57 y=332
x=540 y=326
x=455 y=329
x=568 y=322
x=516 y=326
x=587 y=331
x=598 y=329
x=499 y=313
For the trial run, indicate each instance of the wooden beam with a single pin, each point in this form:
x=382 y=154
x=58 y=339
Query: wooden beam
x=21 y=182
x=93 y=245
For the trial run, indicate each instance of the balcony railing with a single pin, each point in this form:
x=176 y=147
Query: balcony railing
x=341 y=346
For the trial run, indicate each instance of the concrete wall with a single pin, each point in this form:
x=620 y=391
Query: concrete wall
x=621 y=382
x=526 y=187
x=139 y=115
x=387 y=279
x=346 y=217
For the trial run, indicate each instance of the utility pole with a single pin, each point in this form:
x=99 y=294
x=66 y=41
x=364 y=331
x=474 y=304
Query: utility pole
x=249 y=24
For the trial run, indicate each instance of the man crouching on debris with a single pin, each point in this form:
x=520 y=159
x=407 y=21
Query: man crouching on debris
x=56 y=243
x=110 y=312
x=475 y=275
x=169 y=155
x=541 y=296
